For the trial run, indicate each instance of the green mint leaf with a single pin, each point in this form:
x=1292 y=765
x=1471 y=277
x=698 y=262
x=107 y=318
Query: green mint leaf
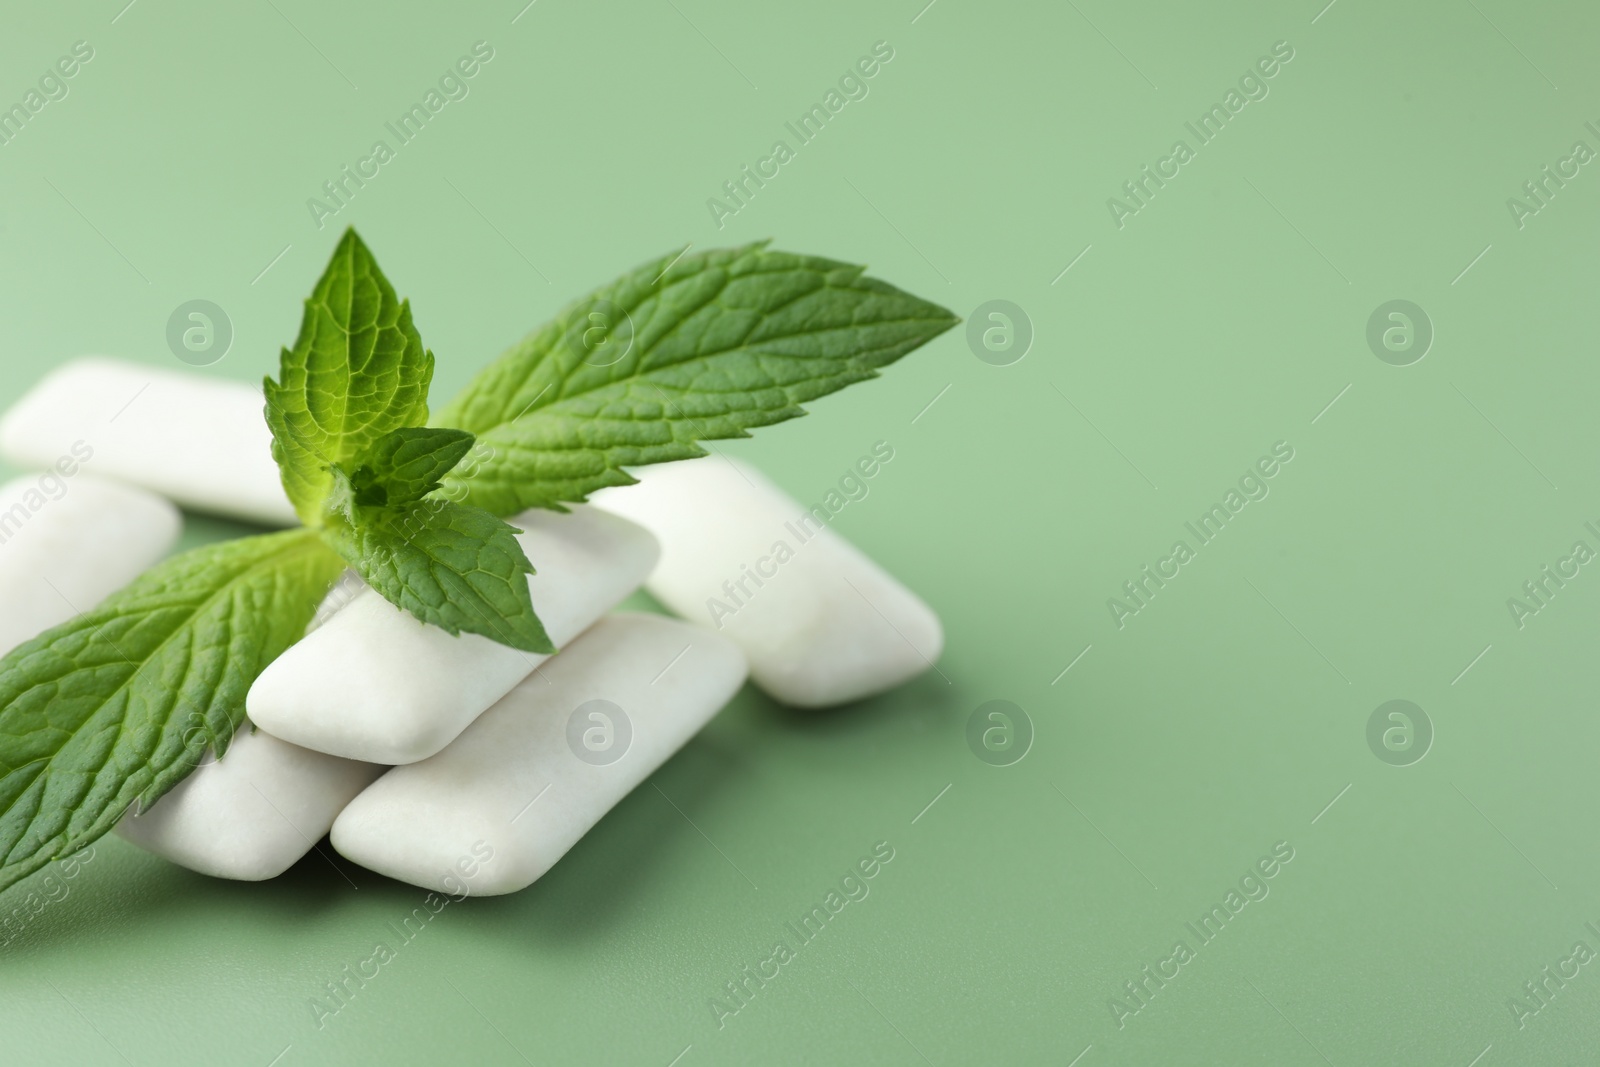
x=701 y=348
x=356 y=372
x=456 y=567
x=406 y=465
x=119 y=704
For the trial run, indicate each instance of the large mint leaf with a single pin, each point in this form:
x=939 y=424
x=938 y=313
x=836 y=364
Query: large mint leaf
x=119 y=704
x=356 y=372
x=454 y=566
x=703 y=348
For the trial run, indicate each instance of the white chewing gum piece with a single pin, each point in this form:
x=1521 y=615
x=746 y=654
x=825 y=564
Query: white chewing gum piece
x=67 y=543
x=200 y=441
x=252 y=814
x=375 y=684
x=821 y=623
x=507 y=799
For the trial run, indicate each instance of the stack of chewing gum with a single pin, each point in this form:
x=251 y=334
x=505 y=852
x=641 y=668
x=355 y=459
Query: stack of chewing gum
x=418 y=752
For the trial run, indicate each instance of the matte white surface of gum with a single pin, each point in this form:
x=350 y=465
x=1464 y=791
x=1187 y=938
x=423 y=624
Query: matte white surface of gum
x=198 y=440
x=252 y=814
x=375 y=684
x=512 y=783
x=826 y=626
x=67 y=543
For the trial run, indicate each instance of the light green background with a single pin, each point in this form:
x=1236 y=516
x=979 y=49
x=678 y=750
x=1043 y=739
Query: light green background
x=1222 y=318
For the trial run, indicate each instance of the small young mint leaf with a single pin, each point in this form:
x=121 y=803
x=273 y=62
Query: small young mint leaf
x=356 y=372
x=456 y=567
x=406 y=465
x=683 y=349
x=120 y=704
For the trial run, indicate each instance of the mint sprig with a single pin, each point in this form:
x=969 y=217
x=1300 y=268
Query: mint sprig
x=118 y=705
x=346 y=415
